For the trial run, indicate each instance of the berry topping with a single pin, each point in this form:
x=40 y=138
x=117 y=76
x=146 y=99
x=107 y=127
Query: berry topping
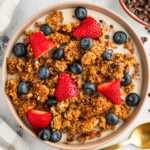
x=111 y=90
x=23 y=88
x=51 y=101
x=76 y=68
x=80 y=13
x=89 y=27
x=133 y=99
x=20 y=50
x=65 y=87
x=86 y=43
x=120 y=37
x=44 y=134
x=127 y=79
x=55 y=136
x=112 y=119
x=46 y=29
x=40 y=44
x=107 y=55
x=44 y=73
x=89 y=87
x=39 y=119
x=58 y=53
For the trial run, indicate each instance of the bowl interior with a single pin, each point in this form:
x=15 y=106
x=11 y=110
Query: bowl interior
x=142 y=57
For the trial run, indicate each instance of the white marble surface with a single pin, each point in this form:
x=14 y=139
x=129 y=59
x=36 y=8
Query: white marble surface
x=25 y=9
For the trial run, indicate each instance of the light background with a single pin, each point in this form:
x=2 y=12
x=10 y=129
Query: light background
x=25 y=9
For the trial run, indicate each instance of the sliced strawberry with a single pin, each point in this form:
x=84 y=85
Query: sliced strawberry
x=89 y=27
x=39 y=119
x=66 y=87
x=111 y=90
x=40 y=44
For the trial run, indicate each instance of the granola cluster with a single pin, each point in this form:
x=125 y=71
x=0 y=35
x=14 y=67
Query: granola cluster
x=82 y=117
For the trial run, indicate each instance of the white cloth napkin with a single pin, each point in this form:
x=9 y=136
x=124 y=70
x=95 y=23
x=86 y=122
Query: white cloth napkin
x=6 y=11
x=9 y=140
x=7 y=8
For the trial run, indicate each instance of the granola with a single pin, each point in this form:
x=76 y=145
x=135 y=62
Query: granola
x=72 y=88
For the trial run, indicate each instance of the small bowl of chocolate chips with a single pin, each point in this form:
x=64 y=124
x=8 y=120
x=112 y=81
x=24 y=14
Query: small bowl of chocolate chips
x=139 y=10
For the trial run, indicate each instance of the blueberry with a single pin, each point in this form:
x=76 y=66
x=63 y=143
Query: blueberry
x=120 y=37
x=20 y=50
x=86 y=43
x=89 y=88
x=133 y=99
x=76 y=68
x=111 y=118
x=126 y=79
x=51 y=101
x=23 y=88
x=80 y=13
x=55 y=136
x=46 y=29
x=107 y=55
x=44 y=134
x=58 y=53
x=44 y=73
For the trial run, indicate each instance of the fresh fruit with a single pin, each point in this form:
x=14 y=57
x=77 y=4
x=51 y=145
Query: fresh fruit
x=44 y=134
x=55 y=136
x=58 y=53
x=89 y=27
x=23 y=88
x=89 y=87
x=111 y=118
x=80 y=13
x=65 y=87
x=120 y=37
x=133 y=99
x=111 y=90
x=76 y=68
x=126 y=79
x=46 y=29
x=107 y=55
x=39 y=119
x=40 y=44
x=86 y=43
x=44 y=73
x=20 y=50
x=51 y=101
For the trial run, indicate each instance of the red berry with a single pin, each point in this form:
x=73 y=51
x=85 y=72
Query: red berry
x=111 y=90
x=39 y=119
x=65 y=87
x=89 y=27
x=40 y=44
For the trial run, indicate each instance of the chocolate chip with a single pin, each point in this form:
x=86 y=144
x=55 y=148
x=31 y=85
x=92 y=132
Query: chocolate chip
x=141 y=8
x=106 y=36
x=144 y=39
x=101 y=21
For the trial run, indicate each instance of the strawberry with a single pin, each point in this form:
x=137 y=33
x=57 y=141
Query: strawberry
x=111 y=90
x=40 y=44
x=65 y=87
x=39 y=119
x=89 y=27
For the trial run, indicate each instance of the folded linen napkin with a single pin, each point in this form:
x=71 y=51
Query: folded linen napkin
x=9 y=139
x=6 y=11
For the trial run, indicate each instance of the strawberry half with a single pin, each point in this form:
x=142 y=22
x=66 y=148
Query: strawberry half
x=40 y=44
x=65 y=87
x=89 y=27
x=111 y=90
x=39 y=119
